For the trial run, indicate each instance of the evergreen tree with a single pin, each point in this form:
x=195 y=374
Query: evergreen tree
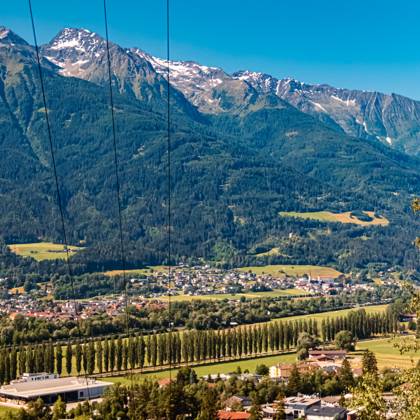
x=2 y=374
x=106 y=355
x=112 y=350
x=22 y=361
x=256 y=412
x=141 y=351
x=209 y=402
x=99 y=356
x=51 y=357
x=345 y=375
x=369 y=363
x=280 y=408
x=7 y=376
x=69 y=358
x=132 y=351
x=125 y=351
x=85 y=356
x=91 y=356
x=153 y=350
x=59 y=359
x=39 y=359
x=13 y=364
x=30 y=358
x=78 y=356
x=294 y=384
x=281 y=335
x=59 y=410
x=324 y=334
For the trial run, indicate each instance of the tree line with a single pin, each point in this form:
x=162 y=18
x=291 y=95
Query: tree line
x=155 y=350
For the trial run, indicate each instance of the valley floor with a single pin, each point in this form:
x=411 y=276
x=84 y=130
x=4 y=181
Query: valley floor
x=387 y=355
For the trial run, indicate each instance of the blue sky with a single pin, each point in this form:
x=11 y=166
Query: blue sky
x=370 y=44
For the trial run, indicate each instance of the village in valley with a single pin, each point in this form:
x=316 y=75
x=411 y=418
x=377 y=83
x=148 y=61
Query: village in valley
x=152 y=286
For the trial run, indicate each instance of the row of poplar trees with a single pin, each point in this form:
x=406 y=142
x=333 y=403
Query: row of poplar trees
x=194 y=346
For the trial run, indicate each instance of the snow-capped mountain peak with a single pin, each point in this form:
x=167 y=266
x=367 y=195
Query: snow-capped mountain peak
x=392 y=119
x=260 y=81
x=8 y=37
x=185 y=72
x=82 y=40
x=73 y=50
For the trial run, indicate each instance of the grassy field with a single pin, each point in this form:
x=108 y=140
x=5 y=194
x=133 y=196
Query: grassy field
x=346 y=217
x=387 y=355
x=293 y=270
x=332 y=314
x=227 y=366
x=42 y=250
x=251 y=295
x=136 y=271
x=270 y=253
x=216 y=368
x=5 y=412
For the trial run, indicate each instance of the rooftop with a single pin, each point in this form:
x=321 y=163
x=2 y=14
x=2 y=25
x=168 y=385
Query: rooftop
x=326 y=411
x=302 y=401
x=233 y=415
x=34 y=389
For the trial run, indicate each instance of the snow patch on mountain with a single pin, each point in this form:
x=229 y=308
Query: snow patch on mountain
x=346 y=102
x=4 y=32
x=319 y=107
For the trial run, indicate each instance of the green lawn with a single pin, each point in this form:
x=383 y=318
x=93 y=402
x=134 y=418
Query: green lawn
x=42 y=250
x=293 y=270
x=223 y=367
x=346 y=217
x=388 y=355
x=5 y=412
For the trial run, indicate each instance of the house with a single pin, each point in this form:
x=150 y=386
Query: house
x=238 y=401
x=326 y=413
x=164 y=382
x=298 y=406
x=407 y=317
x=282 y=371
x=269 y=411
x=233 y=415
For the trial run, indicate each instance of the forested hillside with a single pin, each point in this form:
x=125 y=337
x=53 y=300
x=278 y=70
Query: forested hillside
x=231 y=175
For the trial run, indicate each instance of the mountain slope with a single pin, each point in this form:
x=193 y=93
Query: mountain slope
x=233 y=172
x=81 y=53
x=392 y=119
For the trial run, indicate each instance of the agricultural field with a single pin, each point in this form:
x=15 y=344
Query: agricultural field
x=331 y=314
x=41 y=251
x=346 y=217
x=137 y=271
x=387 y=354
x=293 y=270
x=237 y=296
